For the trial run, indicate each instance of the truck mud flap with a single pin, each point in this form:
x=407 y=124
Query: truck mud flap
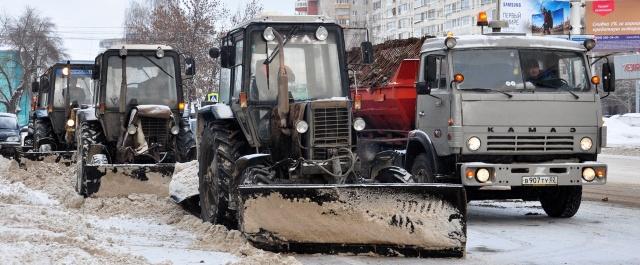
x=124 y=179
x=421 y=220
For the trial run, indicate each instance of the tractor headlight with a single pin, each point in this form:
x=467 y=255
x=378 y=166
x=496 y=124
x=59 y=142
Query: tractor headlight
x=588 y=174
x=586 y=143
x=473 y=143
x=175 y=130
x=132 y=129
x=359 y=124
x=13 y=139
x=302 y=126
x=71 y=123
x=322 y=33
x=159 y=52
x=483 y=175
x=268 y=34
x=450 y=42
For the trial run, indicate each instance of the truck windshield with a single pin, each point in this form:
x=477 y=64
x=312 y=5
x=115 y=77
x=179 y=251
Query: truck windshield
x=312 y=65
x=150 y=80
x=513 y=70
x=80 y=85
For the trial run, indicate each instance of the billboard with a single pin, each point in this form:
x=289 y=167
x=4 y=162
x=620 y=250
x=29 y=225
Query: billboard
x=616 y=24
x=537 y=17
x=627 y=67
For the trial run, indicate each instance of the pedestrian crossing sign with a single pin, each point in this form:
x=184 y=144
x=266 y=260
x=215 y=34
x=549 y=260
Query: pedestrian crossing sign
x=212 y=97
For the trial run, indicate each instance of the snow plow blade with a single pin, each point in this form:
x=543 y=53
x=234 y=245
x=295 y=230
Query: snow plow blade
x=65 y=157
x=420 y=220
x=123 y=179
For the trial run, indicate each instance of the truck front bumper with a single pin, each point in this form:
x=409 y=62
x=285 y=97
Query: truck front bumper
x=545 y=174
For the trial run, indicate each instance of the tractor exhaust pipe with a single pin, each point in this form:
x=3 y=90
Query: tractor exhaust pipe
x=283 y=87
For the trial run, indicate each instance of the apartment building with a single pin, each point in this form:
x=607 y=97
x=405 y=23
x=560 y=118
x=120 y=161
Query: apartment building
x=399 y=19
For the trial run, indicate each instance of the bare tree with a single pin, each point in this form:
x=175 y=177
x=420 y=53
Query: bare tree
x=36 y=45
x=191 y=26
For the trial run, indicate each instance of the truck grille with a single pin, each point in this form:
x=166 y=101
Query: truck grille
x=529 y=143
x=331 y=130
x=155 y=130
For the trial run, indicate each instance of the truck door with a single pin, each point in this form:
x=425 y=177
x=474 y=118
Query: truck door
x=434 y=110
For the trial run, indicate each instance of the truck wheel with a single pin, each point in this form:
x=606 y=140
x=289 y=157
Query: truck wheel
x=422 y=170
x=87 y=182
x=222 y=144
x=43 y=133
x=563 y=201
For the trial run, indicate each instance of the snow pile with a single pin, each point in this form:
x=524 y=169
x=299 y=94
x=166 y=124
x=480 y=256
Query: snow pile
x=184 y=182
x=16 y=193
x=623 y=130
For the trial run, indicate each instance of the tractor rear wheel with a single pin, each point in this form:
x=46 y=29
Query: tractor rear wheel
x=87 y=182
x=222 y=144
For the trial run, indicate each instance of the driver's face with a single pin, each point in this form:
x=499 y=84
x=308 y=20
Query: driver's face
x=534 y=71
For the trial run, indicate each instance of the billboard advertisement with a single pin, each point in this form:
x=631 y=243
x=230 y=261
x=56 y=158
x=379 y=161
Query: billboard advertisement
x=537 y=17
x=615 y=24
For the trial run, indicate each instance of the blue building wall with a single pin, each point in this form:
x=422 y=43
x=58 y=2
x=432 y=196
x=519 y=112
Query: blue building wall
x=15 y=72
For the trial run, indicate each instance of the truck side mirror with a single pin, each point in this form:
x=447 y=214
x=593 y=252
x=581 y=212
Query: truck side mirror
x=227 y=56
x=608 y=77
x=367 y=52
x=431 y=71
x=35 y=86
x=189 y=66
x=422 y=88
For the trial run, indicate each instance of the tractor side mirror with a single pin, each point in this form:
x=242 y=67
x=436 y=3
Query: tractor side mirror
x=95 y=72
x=422 y=88
x=44 y=86
x=35 y=86
x=367 y=52
x=190 y=66
x=227 y=56
x=608 y=77
x=214 y=53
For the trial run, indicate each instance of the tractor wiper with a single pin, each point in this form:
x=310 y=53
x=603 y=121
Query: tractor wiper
x=286 y=40
x=488 y=89
x=157 y=65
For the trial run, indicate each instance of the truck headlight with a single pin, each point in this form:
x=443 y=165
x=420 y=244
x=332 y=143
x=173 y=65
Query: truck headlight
x=359 y=124
x=586 y=143
x=588 y=174
x=302 y=126
x=483 y=175
x=473 y=143
x=71 y=123
x=13 y=139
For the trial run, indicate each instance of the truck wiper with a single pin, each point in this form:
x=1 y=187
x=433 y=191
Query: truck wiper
x=564 y=86
x=157 y=65
x=488 y=89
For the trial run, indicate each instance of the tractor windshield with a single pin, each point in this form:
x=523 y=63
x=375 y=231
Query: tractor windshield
x=150 y=80
x=80 y=84
x=312 y=66
x=513 y=70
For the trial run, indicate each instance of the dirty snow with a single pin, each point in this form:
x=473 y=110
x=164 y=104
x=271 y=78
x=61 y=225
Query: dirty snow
x=623 y=130
x=184 y=181
x=43 y=221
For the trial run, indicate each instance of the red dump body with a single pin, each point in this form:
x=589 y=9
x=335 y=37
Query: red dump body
x=393 y=106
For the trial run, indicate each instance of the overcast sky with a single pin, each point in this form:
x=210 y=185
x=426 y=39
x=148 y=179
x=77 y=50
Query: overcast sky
x=83 y=23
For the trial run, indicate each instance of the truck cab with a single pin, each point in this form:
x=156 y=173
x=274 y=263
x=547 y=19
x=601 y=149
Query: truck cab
x=510 y=116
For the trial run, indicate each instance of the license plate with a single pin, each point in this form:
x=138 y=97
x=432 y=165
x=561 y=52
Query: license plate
x=540 y=180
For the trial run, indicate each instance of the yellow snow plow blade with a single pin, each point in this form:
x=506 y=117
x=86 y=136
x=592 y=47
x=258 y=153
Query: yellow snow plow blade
x=124 y=179
x=389 y=219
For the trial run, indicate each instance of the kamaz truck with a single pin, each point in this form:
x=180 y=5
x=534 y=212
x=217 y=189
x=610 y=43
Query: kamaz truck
x=506 y=115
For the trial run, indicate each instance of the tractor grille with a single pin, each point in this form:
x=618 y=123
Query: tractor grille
x=331 y=130
x=155 y=130
x=529 y=143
